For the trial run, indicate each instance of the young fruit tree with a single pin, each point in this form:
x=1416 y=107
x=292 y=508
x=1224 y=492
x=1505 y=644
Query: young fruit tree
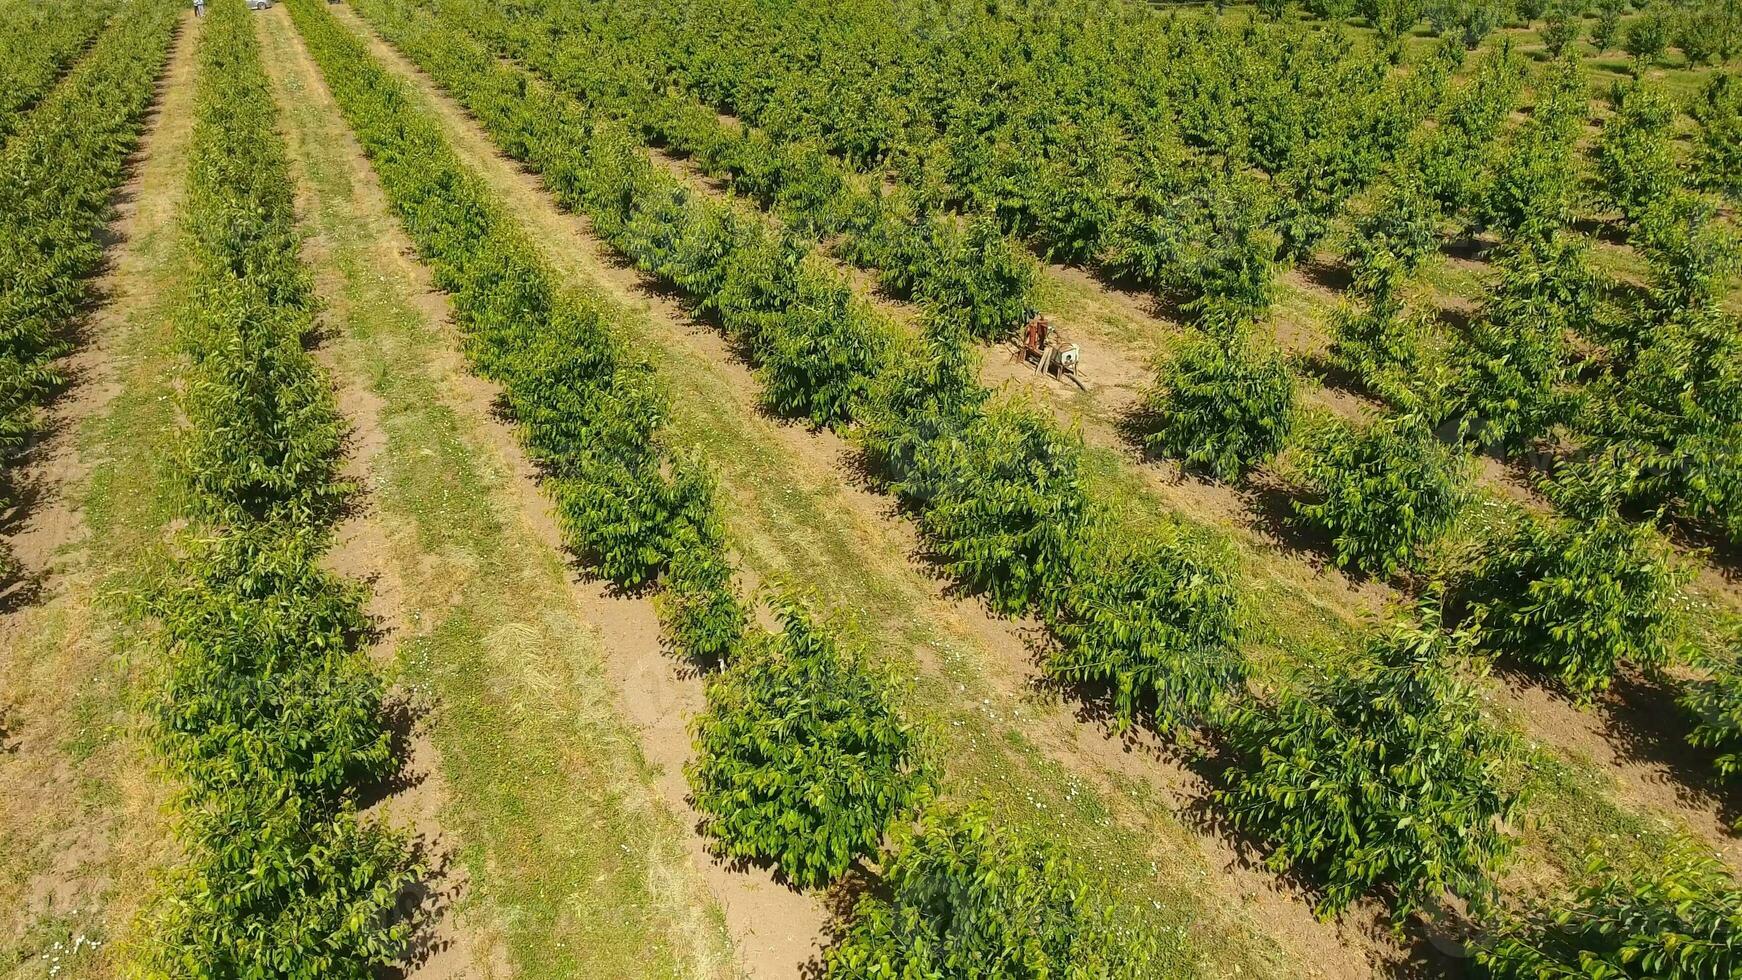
x=1156 y=622
x=1670 y=430
x=1714 y=702
x=1005 y=504
x=964 y=897
x=1221 y=406
x=1636 y=161
x=1577 y=597
x=1515 y=367
x=1679 y=919
x=802 y=757
x=1383 y=780
x=1383 y=494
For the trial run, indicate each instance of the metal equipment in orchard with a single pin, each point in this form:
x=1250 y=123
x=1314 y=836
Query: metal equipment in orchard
x=1048 y=350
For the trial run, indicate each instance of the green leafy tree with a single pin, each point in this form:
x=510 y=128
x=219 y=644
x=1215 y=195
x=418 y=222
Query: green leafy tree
x=1670 y=430
x=1699 y=35
x=1383 y=346
x=701 y=616
x=802 y=756
x=1386 y=778
x=1577 y=597
x=916 y=408
x=1531 y=191
x=1714 y=702
x=1005 y=501
x=278 y=888
x=1647 y=38
x=1680 y=918
x=979 y=278
x=1480 y=19
x=1331 y=9
x=1608 y=25
x=816 y=357
x=1236 y=273
x=1514 y=369
x=1222 y=407
x=1453 y=157
x=1693 y=256
x=1718 y=143
x=264 y=682
x=1636 y=163
x=1156 y=622
x=1391 y=18
x=1398 y=233
x=1559 y=32
x=968 y=898
x=1383 y=493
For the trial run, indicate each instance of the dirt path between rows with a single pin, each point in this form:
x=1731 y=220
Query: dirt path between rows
x=1236 y=887
x=81 y=820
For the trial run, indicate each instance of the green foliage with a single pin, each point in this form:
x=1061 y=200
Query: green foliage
x=802 y=757
x=976 y=274
x=1221 y=406
x=1156 y=623
x=1470 y=21
x=1452 y=158
x=1005 y=503
x=1718 y=142
x=1636 y=162
x=1693 y=256
x=1383 y=493
x=1671 y=428
x=265 y=432
x=1381 y=345
x=1560 y=31
x=1196 y=232
x=1647 y=38
x=700 y=614
x=1680 y=919
x=1518 y=359
x=1714 y=702
x=587 y=410
x=1398 y=233
x=1383 y=780
x=262 y=682
x=817 y=362
x=977 y=279
x=37 y=44
x=1576 y=597
x=1531 y=191
x=916 y=409
x=1391 y=18
x=283 y=892
x=967 y=898
x=1608 y=26
x=267 y=712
